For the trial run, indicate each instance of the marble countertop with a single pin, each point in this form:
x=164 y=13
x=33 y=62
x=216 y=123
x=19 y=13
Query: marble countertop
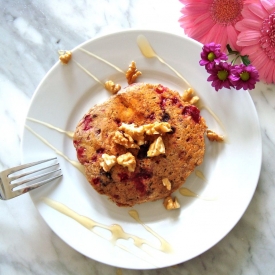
x=31 y=33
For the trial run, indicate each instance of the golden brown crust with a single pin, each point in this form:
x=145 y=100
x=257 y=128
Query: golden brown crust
x=140 y=104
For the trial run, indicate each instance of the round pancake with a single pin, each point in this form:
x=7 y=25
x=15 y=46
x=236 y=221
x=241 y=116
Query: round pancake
x=140 y=104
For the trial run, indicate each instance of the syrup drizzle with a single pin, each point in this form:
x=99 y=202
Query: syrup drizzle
x=115 y=229
x=200 y=175
x=147 y=50
x=70 y=134
x=188 y=193
x=165 y=246
x=87 y=72
x=101 y=59
x=74 y=163
x=214 y=116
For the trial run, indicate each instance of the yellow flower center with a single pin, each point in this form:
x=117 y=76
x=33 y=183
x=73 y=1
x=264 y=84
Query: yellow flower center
x=226 y=12
x=222 y=75
x=244 y=76
x=211 y=56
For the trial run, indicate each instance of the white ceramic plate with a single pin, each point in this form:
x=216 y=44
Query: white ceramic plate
x=231 y=169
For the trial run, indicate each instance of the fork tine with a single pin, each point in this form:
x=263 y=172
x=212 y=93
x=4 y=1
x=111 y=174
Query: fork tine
x=13 y=185
x=31 y=172
x=33 y=186
x=24 y=166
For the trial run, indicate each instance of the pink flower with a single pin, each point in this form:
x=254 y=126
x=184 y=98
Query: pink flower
x=244 y=77
x=212 y=20
x=257 y=37
x=211 y=54
x=220 y=75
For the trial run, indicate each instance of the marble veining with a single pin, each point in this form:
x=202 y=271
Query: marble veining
x=31 y=32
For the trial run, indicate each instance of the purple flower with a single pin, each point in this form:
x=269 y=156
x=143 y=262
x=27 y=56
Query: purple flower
x=244 y=77
x=211 y=54
x=220 y=75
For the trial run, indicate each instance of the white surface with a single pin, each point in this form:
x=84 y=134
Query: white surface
x=31 y=33
x=231 y=169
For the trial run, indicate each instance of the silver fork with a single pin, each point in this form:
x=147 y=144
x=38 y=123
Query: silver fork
x=8 y=182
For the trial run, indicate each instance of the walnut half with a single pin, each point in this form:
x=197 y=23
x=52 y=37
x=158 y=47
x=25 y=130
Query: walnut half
x=212 y=136
x=188 y=96
x=127 y=160
x=156 y=148
x=166 y=182
x=125 y=140
x=108 y=162
x=132 y=73
x=112 y=87
x=65 y=56
x=171 y=204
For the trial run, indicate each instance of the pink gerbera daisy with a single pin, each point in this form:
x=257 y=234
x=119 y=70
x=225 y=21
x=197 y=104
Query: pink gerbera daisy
x=257 y=37
x=212 y=21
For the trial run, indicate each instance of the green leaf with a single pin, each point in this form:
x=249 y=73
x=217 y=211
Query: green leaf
x=245 y=60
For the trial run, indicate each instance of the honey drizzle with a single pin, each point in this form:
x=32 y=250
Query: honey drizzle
x=165 y=246
x=213 y=115
x=147 y=50
x=87 y=72
x=115 y=229
x=70 y=134
x=101 y=59
x=188 y=193
x=74 y=163
x=200 y=175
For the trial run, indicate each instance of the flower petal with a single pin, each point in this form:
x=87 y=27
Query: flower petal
x=258 y=10
x=250 y=49
x=269 y=5
x=218 y=35
x=249 y=35
x=248 y=24
x=232 y=38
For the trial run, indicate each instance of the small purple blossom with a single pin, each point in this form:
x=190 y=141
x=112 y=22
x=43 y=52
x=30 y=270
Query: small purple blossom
x=244 y=77
x=220 y=75
x=211 y=54
x=224 y=74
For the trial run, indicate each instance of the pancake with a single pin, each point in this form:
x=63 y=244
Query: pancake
x=141 y=144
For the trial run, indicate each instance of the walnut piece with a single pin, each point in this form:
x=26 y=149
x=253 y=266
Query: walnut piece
x=212 y=136
x=125 y=140
x=166 y=182
x=156 y=148
x=108 y=162
x=112 y=87
x=137 y=133
x=127 y=160
x=132 y=73
x=188 y=96
x=157 y=128
x=65 y=56
x=171 y=204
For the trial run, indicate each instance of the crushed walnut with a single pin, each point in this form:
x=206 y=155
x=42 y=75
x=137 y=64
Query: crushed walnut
x=188 y=96
x=156 y=148
x=132 y=73
x=125 y=140
x=112 y=87
x=137 y=133
x=65 y=56
x=127 y=160
x=171 y=204
x=108 y=162
x=212 y=136
x=157 y=128
x=132 y=136
x=166 y=182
